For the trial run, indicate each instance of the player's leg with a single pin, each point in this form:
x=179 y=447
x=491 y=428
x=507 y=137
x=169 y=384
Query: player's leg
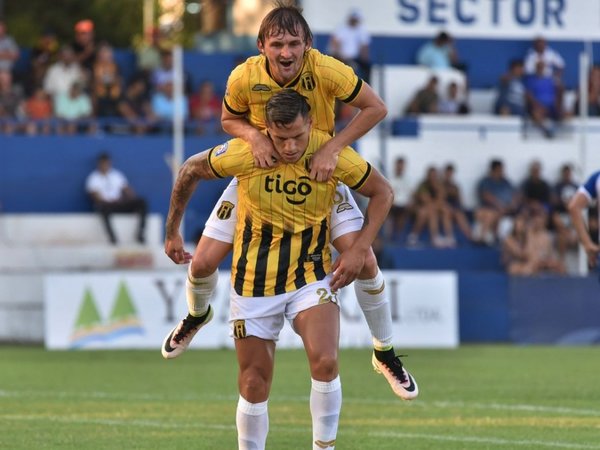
x=372 y=298
x=319 y=326
x=215 y=243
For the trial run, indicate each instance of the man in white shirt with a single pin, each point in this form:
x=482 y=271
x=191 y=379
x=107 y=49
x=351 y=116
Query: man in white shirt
x=63 y=73
x=350 y=44
x=110 y=193
x=553 y=62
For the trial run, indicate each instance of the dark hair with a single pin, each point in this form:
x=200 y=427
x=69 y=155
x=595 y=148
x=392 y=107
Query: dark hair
x=284 y=106
x=104 y=156
x=285 y=17
x=495 y=164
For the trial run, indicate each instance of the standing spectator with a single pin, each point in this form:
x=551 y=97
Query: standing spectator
x=401 y=208
x=110 y=193
x=454 y=201
x=350 y=44
x=536 y=190
x=562 y=192
x=38 y=109
x=44 y=53
x=62 y=74
x=544 y=100
x=106 y=82
x=497 y=199
x=205 y=107
x=541 y=52
x=84 y=45
x=74 y=109
x=584 y=198
x=511 y=91
x=438 y=53
x=9 y=51
x=11 y=98
x=426 y=100
x=135 y=107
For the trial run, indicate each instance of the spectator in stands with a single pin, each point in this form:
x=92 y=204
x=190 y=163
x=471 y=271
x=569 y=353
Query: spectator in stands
x=74 y=109
x=497 y=199
x=350 y=44
x=106 y=83
x=38 y=109
x=148 y=55
x=84 y=45
x=454 y=201
x=540 y=52
x=111 y=193
x=451 y=103
x=44 y=53
x=511 y=91
x=135 y=107
x=562 y=192
x=527 y=250
x=438 y=53
x=9 y=50
x=402 y=208
x=430 y=203
x=593 y=94
x=62 y=74
x=585 y=197
x=11 y=99
x=426 y=100
x=205 y=108
x=544 y=100
x=163 y=104
x=535 y=189
x=164 y=73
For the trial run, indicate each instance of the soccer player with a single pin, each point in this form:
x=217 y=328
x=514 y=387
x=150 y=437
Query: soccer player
x=281 y=267
x=287 y=61
x=583 y=198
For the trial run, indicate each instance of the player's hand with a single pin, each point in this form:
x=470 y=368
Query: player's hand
x=263 y=151
x=346 y=268
x=592 y=252
x=174 y=250
x=323 y=163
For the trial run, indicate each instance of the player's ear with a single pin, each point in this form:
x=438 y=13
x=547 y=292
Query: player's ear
x=308 y=45
x=260 y=46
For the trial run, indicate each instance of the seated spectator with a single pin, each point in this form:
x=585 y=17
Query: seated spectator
x=438 y=53
x=544 y=100
x=561 y=194
x=593 y=94
x=536 y=190
x=9 y=50
x=63 y=74
x=541 y=52
x=106 y=83
x=84 y=45
x=350 y=44
x=148 y=54
x=430 y=203
x=11 y=99
x=74 y=109
x=451 y=103
x=205 y=108
x=110 y=193
x=497 y=199
x=135 y=107
x=38 y=109
x=454 y=201
x=165 y=73
x=528 y=249
x=511 y=91
x=43 y=54
x=163 y=104
x=426 y=100
x=401 y=209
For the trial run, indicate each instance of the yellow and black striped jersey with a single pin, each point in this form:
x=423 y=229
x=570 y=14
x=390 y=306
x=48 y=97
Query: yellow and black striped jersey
x=282 y=232
x=321 y=80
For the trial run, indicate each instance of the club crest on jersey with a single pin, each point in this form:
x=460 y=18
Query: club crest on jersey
x=261 y=88
x=222 y=149
x=291 y=188
x=224 y=211
x=307 y=81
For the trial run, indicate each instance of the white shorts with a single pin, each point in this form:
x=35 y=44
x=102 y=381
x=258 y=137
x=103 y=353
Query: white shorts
x=263 y=317
x=346 y=217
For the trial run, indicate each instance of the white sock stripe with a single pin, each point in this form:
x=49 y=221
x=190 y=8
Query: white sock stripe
x=373 y=283
x=210 y=280
x=327 y=386
x=252 y=409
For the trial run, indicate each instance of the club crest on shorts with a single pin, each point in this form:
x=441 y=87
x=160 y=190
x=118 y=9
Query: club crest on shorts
x=239 y=329
x=224 y=211
x=223 y=149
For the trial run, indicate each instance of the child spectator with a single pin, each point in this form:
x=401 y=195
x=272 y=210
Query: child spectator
x=451 y=103
x=38 y=109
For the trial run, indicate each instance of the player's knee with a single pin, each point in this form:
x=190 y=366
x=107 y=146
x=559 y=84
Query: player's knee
x=370 y=268
x=325 y=367
x=254 y=387
x=203 y=267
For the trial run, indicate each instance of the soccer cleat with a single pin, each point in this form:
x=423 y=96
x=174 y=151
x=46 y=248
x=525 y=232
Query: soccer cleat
x=179 y=338
x=401 y=382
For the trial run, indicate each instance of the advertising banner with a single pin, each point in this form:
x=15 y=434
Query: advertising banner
x=497 y=19
x=129 y=310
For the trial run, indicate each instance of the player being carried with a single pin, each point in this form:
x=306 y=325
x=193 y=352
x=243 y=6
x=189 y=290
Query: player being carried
x=287 y=60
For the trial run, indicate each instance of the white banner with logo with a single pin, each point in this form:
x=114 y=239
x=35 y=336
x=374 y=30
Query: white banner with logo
x=129 y=310
x=509 y=19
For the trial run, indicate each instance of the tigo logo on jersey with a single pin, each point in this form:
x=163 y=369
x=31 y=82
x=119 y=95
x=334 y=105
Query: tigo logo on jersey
x=223 y=149
x=289 y=187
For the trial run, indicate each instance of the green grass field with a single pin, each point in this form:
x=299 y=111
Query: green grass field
x=477 y=397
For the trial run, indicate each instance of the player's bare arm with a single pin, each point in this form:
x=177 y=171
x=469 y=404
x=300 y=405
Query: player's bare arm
x=372 y=111
x=260 y=145
x=350 y=262
x=193 y=170
x=577 y=205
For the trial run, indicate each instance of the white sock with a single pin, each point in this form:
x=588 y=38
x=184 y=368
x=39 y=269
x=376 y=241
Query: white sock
x=325 y=407
x=375 y=306
x=252 y=420
x=198 y=292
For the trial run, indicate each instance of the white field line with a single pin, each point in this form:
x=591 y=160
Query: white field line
x=288 y=429
x=128 y=396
